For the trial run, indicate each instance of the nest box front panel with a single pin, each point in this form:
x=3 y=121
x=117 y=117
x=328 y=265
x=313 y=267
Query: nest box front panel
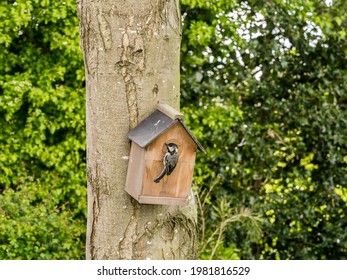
x=178 y=183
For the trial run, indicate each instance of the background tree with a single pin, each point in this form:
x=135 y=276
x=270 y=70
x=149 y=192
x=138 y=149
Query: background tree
x=269 y=79
x=131 y=53
x=42 y=133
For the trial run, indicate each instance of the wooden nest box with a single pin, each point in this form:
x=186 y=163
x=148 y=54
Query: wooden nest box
x=165 y=125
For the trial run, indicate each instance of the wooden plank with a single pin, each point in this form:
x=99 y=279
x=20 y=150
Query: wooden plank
x=170 y=111
x=200 y=147
x=134 y=180
x=178 y=183
x=163 y=200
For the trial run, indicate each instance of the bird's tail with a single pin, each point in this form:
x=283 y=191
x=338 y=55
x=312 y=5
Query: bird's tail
x=161 y=175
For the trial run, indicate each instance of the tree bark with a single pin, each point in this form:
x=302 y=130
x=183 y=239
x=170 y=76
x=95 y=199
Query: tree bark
x=131 y=52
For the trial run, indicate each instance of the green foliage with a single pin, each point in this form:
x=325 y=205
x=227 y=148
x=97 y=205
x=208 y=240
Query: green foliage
x=33 y=227
x=42 y=135
x=214 y=226
x=266 y=94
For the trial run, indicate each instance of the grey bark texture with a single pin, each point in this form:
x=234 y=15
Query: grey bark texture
x=131 y=53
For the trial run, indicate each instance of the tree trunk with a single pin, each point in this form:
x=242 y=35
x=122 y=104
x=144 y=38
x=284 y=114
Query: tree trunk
x=131 y=52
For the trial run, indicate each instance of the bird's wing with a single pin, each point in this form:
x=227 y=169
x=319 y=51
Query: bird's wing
x=172 y=165
x=165 y=169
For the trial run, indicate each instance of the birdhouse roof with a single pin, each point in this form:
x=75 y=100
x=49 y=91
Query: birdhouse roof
x=155 y=125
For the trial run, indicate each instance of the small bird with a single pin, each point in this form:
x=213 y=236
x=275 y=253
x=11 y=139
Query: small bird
x=170 y=161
